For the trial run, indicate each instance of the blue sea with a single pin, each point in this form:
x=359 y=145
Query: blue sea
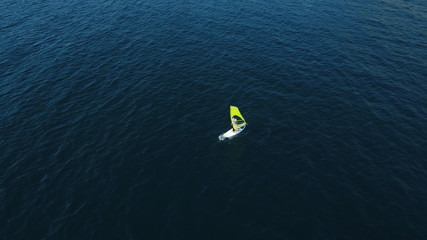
x=110 y=113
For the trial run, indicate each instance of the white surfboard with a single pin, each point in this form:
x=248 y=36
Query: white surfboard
x=238 y=123
x=230 y=133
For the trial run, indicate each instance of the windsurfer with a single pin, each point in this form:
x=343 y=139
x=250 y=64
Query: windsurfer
x=234 y=120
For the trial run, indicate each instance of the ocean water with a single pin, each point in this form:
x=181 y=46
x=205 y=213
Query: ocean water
x=110 y=113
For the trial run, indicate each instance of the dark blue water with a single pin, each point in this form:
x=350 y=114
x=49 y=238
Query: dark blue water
x=110 y=113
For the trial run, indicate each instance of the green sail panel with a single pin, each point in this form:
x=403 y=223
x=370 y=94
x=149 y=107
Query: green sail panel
x=237 y=120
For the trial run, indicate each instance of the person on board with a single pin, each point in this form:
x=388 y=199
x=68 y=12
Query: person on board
x=234 y=120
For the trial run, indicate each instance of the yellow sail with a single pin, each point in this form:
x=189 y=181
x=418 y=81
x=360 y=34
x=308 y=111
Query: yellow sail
x=237 y=120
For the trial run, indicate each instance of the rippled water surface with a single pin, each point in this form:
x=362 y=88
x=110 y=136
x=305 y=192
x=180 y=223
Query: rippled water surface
x=110 y=113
